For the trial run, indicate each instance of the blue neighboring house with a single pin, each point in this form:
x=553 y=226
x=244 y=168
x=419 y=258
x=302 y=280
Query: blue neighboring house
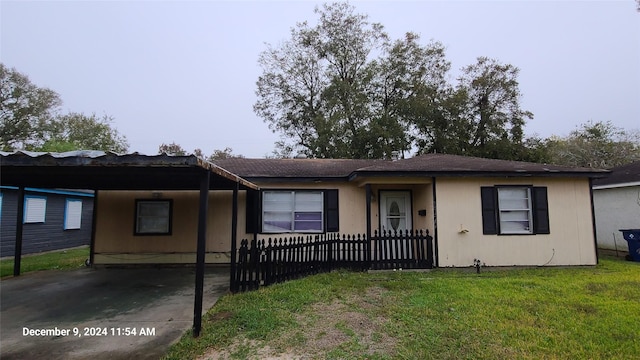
x=53 y=219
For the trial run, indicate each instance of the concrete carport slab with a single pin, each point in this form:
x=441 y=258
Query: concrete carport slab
x=39 y=311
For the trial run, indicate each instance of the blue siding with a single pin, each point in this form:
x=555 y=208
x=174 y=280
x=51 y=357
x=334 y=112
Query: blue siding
x=49 y=235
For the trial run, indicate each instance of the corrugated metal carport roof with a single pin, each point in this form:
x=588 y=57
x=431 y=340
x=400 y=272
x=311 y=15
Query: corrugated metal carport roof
x=98 y=170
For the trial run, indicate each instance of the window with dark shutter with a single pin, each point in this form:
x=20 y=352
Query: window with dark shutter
x=298 y=211
x=510 y=210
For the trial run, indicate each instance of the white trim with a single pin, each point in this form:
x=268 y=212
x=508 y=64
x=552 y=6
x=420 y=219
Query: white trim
x=613 y=186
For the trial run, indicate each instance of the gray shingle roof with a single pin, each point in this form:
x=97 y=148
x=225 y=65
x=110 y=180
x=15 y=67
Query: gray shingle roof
x=294 y=168
x=435 y=164
x=624 y=174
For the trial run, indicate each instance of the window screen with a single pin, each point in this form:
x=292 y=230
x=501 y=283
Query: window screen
x=153 y=217
x=292 y=211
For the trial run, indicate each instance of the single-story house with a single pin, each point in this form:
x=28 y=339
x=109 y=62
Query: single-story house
x=181 y=209
x=53 y=219
x=617 y=205
x=502 y=213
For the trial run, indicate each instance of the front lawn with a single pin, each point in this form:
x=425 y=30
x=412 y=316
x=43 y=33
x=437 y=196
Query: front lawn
x=553 y=313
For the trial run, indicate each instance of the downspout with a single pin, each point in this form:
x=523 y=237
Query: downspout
x=593 y=221
x=200 y=250
x=435 y=225
x=17 y=257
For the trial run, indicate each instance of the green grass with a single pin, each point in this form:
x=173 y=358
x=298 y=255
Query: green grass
x=57 y=260
x=540 y=313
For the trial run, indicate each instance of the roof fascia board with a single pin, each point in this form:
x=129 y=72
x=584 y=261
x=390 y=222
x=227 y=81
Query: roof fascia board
x=279 y=179
x=613 y=186
x=361 y=174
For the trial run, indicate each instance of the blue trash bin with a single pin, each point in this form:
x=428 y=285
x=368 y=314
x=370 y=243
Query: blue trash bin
x=633 y=240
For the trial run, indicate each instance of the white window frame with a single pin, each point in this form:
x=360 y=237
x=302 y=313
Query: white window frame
x=515 y=210
x=292 y=210
x=140 y=220
x=73 y=214
x=35 y=209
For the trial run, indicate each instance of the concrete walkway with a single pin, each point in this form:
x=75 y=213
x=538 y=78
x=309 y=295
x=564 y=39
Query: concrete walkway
x=93 y=314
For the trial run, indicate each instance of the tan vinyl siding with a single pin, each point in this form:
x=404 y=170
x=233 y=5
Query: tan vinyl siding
x=570 y=242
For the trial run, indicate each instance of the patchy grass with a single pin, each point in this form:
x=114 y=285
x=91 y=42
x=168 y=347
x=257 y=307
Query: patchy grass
x=56 y=260
x=568 y=313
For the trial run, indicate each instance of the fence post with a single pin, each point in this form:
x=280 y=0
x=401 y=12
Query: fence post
x=267 y=263
x=242 y=267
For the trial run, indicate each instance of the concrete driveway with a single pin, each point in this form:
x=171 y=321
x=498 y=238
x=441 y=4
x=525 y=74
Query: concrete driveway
x=101 y=313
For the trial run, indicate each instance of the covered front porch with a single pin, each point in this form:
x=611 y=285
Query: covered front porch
x=399 y=219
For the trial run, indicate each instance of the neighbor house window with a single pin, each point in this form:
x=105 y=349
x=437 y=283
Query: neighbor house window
x=35 y=208
x=153 y=217
x=512 y=210
x=292 y=211
x=72 y=214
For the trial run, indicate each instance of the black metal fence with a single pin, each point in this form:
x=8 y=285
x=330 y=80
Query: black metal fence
x=267 y=261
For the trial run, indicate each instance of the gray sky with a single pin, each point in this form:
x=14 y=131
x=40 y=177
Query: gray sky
x=185 y=72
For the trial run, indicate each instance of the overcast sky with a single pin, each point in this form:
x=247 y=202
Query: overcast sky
x=185 y=72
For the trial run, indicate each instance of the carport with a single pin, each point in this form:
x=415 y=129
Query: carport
x=97 y=170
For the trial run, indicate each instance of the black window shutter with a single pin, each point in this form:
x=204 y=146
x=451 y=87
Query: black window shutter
x=540 y=211
x=489 y=210
x=331 y=211
x=252 y=211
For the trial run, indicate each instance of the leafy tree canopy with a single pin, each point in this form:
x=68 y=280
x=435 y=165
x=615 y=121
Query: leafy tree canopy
x=595 y=144
x=29 y=120
x=177 y=150
x=344 y=89
x=24 y=109
x=76 y=131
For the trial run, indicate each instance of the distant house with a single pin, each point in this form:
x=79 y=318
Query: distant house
x=52 y=219
x=149 y=209
x=617 y=205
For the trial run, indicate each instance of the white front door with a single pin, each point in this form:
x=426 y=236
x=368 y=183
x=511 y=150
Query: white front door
x=395 y=210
